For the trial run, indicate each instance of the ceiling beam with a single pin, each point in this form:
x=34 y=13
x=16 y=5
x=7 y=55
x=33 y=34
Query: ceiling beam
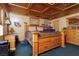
x=36 y=16
x=29 y=5
x=66 y=7
x=70 y=6
x=45 y=9
x=18 y=6
x=35 y=10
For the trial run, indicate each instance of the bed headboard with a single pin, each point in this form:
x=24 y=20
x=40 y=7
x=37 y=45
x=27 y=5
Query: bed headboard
x=49 y=30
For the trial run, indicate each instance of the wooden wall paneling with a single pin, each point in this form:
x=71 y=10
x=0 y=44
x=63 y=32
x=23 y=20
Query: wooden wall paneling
x=72 y=36
x=77 y=34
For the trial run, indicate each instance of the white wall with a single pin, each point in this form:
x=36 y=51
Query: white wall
x=21 y=19
x=41 y=21
x=44 y=20
x=62 y=23
x=63 y=20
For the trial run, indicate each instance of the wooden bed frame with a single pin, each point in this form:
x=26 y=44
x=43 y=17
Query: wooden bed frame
x=41 y=45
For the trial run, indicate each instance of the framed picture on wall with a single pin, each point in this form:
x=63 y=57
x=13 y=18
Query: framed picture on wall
x=47 y=23
x=17 y=24
x=34 y=21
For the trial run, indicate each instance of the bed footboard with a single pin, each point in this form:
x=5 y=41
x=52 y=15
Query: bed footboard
x=35 y=44
x=41 y=45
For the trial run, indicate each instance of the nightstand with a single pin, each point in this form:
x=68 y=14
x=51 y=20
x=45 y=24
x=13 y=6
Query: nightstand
x=11 y=39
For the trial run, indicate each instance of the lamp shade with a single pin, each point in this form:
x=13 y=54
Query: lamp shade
x=1 y=30
x=8 y=22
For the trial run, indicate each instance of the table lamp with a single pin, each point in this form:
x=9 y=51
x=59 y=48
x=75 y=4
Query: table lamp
x=8 y=23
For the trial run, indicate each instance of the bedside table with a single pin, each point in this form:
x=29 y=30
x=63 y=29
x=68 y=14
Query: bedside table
x=11 y=39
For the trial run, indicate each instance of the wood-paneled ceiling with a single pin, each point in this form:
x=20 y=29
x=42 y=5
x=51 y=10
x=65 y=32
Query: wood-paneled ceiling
x=73 y=20
x=44 y=10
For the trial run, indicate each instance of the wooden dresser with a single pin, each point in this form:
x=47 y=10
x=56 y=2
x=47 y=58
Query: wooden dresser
x=1 y=37
x=11 y=39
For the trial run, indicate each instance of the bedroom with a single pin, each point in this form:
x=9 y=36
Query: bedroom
x=47 y=27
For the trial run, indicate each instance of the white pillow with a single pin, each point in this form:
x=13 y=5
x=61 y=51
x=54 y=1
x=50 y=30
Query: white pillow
x=32 y=28
x=40 y=28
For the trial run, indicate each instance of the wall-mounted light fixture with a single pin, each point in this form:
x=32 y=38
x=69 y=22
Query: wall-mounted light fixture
x=8 y=23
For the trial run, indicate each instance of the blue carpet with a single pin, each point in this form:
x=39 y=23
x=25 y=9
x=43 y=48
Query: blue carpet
x=23 y=50
x=70 y=50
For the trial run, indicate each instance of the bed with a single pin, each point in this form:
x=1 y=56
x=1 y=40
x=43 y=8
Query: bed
x=42 y=41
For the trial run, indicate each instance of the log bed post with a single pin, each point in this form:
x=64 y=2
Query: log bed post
x=63 y=39
x=35 y=44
